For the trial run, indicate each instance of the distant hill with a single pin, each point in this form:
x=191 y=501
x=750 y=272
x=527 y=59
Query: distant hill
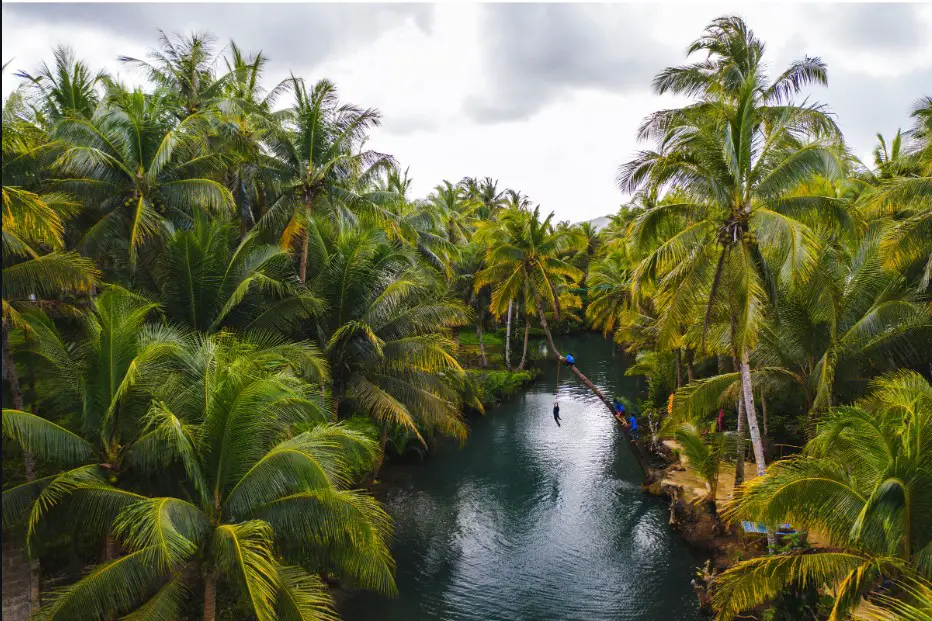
x=599 y=223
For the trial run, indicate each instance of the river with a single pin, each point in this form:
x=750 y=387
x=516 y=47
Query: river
x=530 y=521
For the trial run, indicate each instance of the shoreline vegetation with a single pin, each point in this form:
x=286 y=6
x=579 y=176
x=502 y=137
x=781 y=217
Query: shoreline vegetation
x=222 y=312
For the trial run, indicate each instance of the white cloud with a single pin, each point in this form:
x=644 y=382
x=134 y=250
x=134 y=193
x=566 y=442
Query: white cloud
x=547 y=100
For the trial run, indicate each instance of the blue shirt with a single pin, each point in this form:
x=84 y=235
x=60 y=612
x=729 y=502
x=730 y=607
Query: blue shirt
x=633 y=422
x=570 y=359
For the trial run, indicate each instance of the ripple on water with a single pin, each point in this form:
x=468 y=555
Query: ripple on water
x=530 y=521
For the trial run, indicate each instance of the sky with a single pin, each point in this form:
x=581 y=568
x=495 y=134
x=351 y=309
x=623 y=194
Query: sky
x=546 y=98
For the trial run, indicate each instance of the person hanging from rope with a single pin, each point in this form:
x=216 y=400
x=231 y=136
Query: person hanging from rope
x=556 y=398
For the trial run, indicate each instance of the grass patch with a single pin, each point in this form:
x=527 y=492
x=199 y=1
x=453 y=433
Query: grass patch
x=492 y=338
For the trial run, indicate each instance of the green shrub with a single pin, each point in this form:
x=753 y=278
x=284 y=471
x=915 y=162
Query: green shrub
x=496 y=386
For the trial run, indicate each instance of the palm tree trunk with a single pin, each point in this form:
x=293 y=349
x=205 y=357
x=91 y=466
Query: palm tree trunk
x=508 y=339
x=527 y=334
x=679 y=369
x=29 y=464
x=543 y=324
x=241 y=197
x=302 y=263
x=16 y=391
x=763 y=407
x=739 y=446
x=210 y=597
x=624 y=424
x=756 y=442
x=585 y=380
x=383 y=443
x=261 y=202
x=690 y=368
x=110 y=547
x=753 y=429
x=481 y=336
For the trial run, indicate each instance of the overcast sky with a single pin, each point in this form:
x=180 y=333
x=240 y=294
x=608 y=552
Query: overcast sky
x=546 y=98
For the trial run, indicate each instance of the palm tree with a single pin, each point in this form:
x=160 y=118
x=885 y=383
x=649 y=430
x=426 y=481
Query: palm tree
x=35 y=265
x=98 y=378
x=247 y=119
x=591 y=236
x=68 y=89
x=609 y=291
x=468 y=267
x=704 y=454
x=92 y=397
x=138 y=169
x=455 y=210
x=889 y=161
x=516 y=200
x=413 y=222
x=206 y=280
x=912 y=602
x=523 y=263
x=900 y=195
x=383 y=335
x=865 y=482
x=321 y=160
x=853 y=312
x=36 y=268
x=486 y=194
x=264 y=505
x=734 y=156
x=185 y=69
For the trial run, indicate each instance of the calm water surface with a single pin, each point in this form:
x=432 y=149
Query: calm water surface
x=530 y=521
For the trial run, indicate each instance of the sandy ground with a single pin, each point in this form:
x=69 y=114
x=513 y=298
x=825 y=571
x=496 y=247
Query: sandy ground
x=695 y=488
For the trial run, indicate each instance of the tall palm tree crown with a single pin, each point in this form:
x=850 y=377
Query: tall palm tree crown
x=321 y=159
x=732 y=157
x=523 y=261
x=137 y=169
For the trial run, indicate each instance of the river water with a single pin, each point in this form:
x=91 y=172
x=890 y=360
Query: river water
x=529 y=521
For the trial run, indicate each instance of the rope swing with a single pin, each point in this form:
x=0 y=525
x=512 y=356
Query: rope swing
x=556 y=401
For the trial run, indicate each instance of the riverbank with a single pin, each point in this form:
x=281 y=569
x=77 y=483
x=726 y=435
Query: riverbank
x=687 y=512
x=529 y=520
x=698 y=523
x=695 y=518
x=665 y=477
